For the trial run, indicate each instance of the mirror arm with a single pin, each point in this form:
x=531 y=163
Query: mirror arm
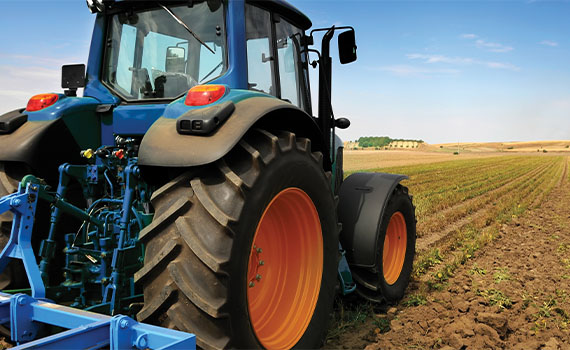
x=325 y=79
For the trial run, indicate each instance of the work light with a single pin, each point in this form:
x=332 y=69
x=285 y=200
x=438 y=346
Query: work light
x=97 y=5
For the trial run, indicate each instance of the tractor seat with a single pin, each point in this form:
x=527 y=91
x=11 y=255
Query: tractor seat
x=167 y=84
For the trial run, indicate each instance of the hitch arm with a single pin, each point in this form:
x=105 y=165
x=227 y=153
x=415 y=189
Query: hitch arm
x=23 y=205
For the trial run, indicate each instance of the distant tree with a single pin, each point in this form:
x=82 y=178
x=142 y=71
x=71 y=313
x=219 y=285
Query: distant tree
x=380 y=141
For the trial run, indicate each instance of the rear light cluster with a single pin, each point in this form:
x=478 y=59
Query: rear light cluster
x=41 y=101
x=201 y=95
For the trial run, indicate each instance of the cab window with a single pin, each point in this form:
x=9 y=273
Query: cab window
x=260 y=63
x=288 y=51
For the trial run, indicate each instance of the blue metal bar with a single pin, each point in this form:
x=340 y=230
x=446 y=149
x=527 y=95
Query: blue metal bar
x=4 y=308
x=19 y=246
x=111 y=290
x=88 y=329
x=91 y=336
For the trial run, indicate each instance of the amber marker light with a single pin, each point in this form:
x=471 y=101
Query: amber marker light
x=201 y=95
x=41 y=101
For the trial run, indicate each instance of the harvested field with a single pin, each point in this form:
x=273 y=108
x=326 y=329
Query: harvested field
x=491 y=269
x=511 y=147
x=369 y=159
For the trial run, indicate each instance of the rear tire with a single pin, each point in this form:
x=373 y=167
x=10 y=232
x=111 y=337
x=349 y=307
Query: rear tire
x=388 y=280
x=201 y=249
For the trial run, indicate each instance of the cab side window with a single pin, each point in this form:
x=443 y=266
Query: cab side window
x=288 y=40
x=260 y=63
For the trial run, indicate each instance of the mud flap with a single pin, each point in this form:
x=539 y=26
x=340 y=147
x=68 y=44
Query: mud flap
x=363 y=200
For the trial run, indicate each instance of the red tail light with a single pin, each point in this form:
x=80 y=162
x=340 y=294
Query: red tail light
x=201 y=95
x=41 y=101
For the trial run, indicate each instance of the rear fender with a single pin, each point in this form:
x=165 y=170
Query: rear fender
x=363 y=199
x=164 y=146
x=51 y=136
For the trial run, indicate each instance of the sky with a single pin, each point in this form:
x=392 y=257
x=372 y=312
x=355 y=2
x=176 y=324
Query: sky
x=440 y=71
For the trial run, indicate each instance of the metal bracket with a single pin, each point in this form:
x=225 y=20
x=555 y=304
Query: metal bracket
x=23 y=205
x=344 y=274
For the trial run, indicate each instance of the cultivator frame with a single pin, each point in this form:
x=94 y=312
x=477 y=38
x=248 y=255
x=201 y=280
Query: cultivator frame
x=26 y=315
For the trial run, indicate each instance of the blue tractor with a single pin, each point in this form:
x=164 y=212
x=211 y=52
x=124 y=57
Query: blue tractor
x=191 y=187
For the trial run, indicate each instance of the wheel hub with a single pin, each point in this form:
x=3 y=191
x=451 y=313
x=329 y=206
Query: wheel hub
x=255 y=264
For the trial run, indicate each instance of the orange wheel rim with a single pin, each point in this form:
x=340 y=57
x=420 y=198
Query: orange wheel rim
x=285 y=270
x=394 y=252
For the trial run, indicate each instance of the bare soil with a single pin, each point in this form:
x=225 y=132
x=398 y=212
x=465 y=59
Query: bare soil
x=512 y=294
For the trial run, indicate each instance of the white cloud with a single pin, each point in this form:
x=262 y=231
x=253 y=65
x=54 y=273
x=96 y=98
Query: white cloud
x=493 y=47
x=487 y=45
x=549 y=43
x=25 y=75
x=408 y=70
x=430 y=59
x=500 y=65
x=440 y=59
x=50 y=62
x=21 y=83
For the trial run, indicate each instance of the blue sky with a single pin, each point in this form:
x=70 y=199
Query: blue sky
x=442 y=71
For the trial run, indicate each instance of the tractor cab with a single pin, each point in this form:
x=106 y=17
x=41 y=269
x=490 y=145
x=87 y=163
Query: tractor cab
x=153 y=53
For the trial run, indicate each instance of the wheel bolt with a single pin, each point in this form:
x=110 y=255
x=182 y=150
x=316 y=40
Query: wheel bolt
x=258 y=277
x=251 y=284
x=261 y=262
x=259 y=250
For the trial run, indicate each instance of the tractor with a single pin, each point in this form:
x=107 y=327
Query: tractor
x=191 y=187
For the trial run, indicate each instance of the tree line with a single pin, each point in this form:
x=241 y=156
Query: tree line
x=379 y=141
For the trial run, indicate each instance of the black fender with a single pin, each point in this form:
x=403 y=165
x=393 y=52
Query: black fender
x=363 y=199
x=43 y=145
x=164 y=146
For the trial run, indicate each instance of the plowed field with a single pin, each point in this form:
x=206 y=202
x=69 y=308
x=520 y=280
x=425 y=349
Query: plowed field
x=493 y=261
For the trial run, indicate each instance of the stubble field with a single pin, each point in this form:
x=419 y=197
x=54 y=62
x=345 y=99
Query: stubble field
x=492 y=267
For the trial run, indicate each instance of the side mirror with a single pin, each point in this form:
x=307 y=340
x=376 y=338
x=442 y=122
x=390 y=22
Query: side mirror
x=72 y=78
x=347 y=47
x=175 y=59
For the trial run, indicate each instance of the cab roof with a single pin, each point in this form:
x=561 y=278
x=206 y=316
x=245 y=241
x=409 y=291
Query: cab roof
x=281 y=7
x=285 y=9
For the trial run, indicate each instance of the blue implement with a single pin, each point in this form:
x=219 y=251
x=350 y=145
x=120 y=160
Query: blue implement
x=27 y=315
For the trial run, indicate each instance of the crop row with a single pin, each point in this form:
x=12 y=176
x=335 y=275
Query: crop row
x=433 y=200
x=510 y=201
x=476 y=200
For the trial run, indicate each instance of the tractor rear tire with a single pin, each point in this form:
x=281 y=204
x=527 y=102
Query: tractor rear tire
x=388 y=280
x=8 y=185
x=244 y=252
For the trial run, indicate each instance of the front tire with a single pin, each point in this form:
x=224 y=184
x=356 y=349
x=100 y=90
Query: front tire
x=244 y=252
x=387 y=281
